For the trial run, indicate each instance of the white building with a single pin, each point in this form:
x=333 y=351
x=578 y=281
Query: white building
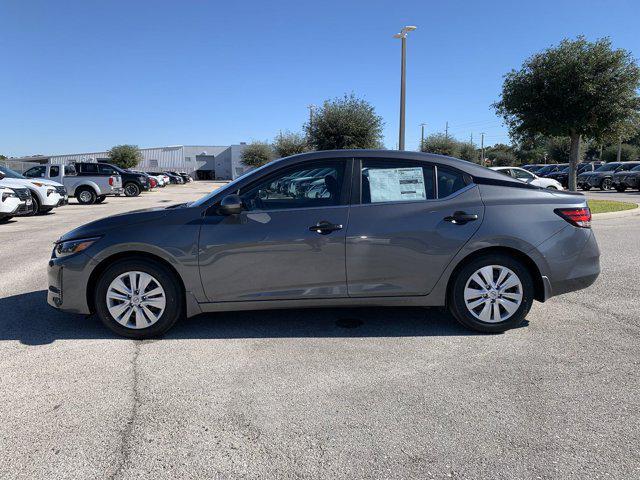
x=199 y=161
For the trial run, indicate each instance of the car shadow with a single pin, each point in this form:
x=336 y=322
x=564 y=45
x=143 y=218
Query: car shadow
x=28 y=319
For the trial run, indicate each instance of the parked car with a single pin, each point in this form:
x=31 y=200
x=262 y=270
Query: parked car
x=547 y=169
x=133 y=184
x=394 y=229
x=45 y=194
x=162 y=175
x=533 y=168
x=174 y=178
x=159 y=180
x=86 y=181
x=186 y=177
x=9 y=203
x=562 y=176
x=626 y=176
x=528 y=177
x=601 y=177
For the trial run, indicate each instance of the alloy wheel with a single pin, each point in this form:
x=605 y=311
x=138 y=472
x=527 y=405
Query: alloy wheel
x=136 y=300
x=493 y=293
x=85 y=196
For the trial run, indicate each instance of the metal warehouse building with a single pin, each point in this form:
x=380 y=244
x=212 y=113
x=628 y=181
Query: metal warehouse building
x=199 y=161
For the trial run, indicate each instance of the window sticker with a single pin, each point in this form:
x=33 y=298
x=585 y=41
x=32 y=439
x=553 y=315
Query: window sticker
x=397 y=184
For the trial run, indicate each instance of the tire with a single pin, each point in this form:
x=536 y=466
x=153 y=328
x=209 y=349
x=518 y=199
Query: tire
x=35 y=206
x=6 y=219
x=620 y=189
x=46 y=210
x=131 y=189
x=86 y=196
x=551 y=187
x=101 y=198
x=586 y=188
x=161 y=277
x=508 y=320
x=605 y=184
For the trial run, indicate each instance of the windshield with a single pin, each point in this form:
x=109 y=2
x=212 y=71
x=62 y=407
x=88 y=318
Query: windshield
x=607 y=167
x=10 y=173
x=636 y=169
x=229 y=186
x=547 y=169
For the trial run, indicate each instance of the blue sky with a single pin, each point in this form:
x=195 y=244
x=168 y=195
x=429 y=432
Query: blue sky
x=83 y=75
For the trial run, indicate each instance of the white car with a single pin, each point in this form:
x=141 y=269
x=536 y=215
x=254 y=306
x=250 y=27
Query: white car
x=528 y=177
x=9 y=203
x=46 y=194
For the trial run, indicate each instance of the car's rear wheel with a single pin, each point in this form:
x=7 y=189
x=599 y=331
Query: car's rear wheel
x=131 y=190
x=491 y=294
x=621 y=189
x=86 y=196
x=586 y=188
x=138 y=298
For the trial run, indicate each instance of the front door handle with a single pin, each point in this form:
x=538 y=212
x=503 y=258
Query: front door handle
x=324 y=227
x=460 y=218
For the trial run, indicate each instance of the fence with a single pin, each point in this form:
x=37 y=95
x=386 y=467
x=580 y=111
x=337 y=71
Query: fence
x=18 y=165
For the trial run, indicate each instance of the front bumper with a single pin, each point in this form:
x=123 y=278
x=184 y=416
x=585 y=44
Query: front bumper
x=68 y=278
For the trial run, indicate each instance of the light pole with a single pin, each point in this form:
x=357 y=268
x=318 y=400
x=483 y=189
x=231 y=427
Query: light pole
x=403 y=66
x=422 y=125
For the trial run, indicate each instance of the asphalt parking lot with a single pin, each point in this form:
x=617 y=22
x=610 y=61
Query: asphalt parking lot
x=366 y=393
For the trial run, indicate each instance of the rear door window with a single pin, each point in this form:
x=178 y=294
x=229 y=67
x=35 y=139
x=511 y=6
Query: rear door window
x=449 y=181
x=396 y=181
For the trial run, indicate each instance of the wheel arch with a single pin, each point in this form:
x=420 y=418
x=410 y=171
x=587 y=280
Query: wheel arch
x=133 y=255
x=527 y=261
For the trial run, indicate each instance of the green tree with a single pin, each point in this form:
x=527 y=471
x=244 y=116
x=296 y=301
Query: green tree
x=441 y=144
x=256 y=154
x=501 y=155
x=468 y=151
x=125 y=156
x=559 y=150
x=2 y=157
x=347 y=122
x=577 y=89
x=289 y=143
x=627 y=153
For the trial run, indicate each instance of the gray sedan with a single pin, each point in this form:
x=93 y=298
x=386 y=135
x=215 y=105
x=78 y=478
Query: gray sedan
x=367 y=227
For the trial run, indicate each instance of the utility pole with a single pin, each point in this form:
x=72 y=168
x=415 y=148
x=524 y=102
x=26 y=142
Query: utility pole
x=422 y=135
x=446 y=130
x=403 y=70
x=311 y=107
x=471 y=139
x=482 y=148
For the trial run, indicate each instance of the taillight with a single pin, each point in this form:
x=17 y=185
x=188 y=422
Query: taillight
x=580 y=217
x=111 y=181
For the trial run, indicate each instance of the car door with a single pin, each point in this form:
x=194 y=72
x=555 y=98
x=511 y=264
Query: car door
x=287 y=243
x=407 y=221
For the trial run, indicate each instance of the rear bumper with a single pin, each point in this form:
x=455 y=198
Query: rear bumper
x=569 y=261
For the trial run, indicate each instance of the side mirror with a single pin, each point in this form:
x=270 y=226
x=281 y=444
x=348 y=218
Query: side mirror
x=230 y=205
x=1 y=175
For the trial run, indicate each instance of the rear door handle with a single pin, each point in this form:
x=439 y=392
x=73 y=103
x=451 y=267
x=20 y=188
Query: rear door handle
x=460 y=218
x=324 y=227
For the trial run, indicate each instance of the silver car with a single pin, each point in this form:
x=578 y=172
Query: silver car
x=389 y=229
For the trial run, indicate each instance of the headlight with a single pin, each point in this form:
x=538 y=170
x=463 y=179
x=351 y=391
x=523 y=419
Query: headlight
x=8 y=195
x=69 y=247
x=50 y=191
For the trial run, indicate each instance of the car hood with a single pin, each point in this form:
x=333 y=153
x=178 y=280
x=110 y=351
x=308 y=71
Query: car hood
x=625 y=173
x=46 y=182
x=122 y=220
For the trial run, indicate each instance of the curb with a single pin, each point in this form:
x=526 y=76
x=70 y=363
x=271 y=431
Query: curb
x=634 y=212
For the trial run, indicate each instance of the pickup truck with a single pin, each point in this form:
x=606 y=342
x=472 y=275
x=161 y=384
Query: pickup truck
x=132 y=183
x=88 y=185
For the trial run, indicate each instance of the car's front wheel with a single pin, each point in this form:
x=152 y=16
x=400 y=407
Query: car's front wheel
x=491 y=294
x=606 y=184
x=138 y=298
